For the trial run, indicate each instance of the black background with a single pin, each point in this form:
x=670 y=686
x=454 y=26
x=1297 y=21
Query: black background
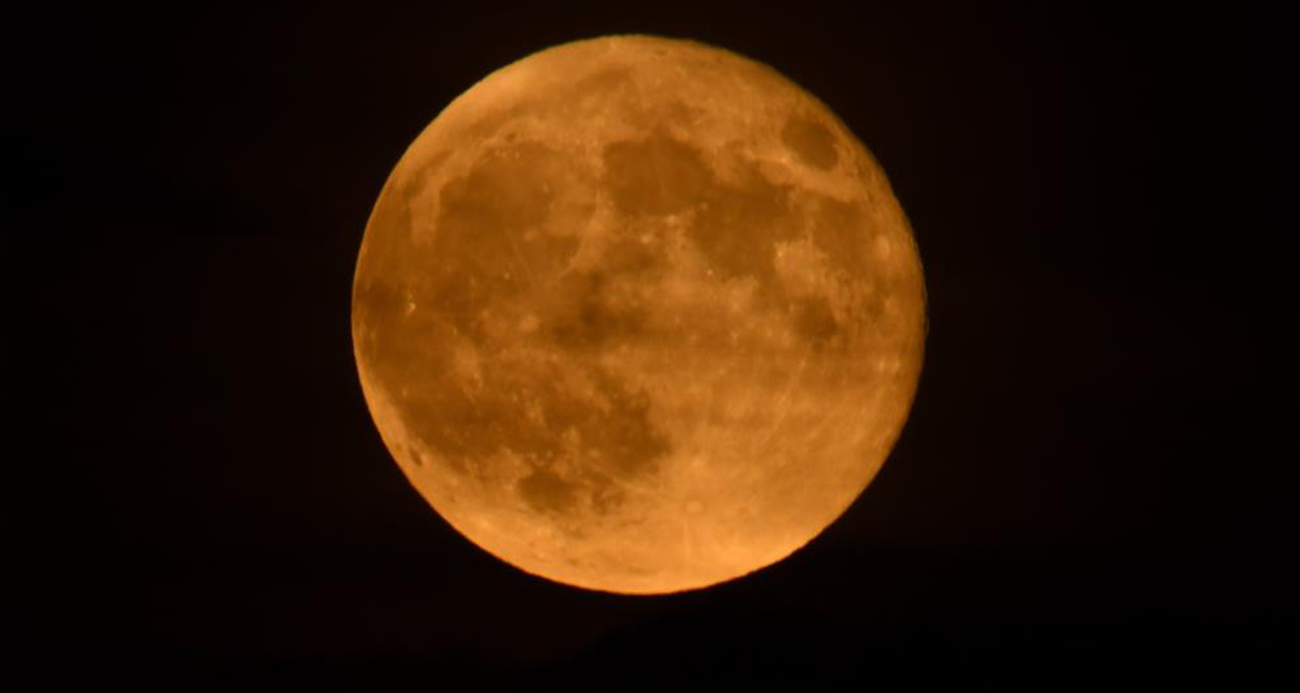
x=1089 y=489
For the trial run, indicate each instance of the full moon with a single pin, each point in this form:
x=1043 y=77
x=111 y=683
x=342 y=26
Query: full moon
x=638 y=315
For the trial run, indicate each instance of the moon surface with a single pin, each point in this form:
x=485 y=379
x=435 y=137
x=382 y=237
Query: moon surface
x=638 y=315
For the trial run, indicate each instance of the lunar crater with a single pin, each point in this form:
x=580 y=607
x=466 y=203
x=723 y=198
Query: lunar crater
x=657 y=175
x=811 y=141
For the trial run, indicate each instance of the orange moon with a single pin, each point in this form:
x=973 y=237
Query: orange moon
x=638 y=315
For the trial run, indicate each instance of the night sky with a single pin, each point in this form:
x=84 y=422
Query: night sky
x=1089 y=489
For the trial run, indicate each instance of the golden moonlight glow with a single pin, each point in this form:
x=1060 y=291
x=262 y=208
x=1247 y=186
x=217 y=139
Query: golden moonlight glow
x=638 y=315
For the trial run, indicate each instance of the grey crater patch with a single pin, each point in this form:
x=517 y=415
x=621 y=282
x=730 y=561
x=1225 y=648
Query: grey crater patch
x=546 y=493
x=657 y=175
x=811 y=142
x=814 y=321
